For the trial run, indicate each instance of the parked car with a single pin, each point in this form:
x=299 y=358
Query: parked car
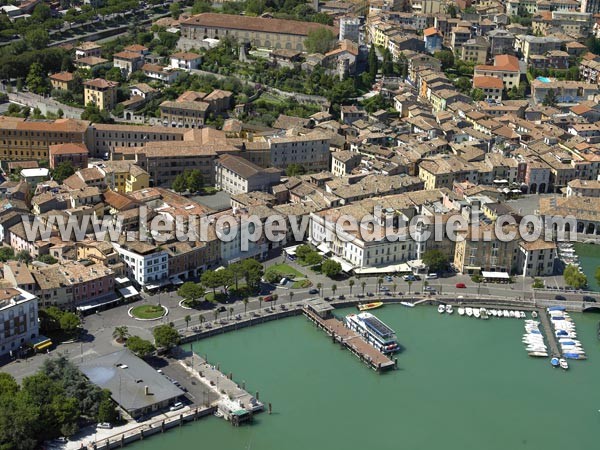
x=587 y=298
x=341 y=297
x=327 y=299
x=432 y=276
x=176 y=406
x=360 y=295
x=384 y=289
x=104 y=425
x=221 y=309
x=268 y=298
x=369 y=294
x=313 y=291
x=560 y=297
x=389 y=278
x=409 y=278
x=461 y=285
x=429 y=288
x=417 y=277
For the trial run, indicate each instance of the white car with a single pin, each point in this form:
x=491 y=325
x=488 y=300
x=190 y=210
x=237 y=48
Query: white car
x=176 y=406
x=104 y=425
x=432 y=276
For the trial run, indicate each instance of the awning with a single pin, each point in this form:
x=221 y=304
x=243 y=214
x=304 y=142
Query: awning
x=158 y=284
x=291 y=250
x=42 y=346
x=346 y=266
x=496 y=275
x=128 y=292
x=97 y=303
x=176 y=281
x=323 y=247
x=392 y=268
x=122 y=280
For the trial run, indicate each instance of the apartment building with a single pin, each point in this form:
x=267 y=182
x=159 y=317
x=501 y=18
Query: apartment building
x=18 y=319
x=583 y=188
x=62 y=81
x=128 y=62
x=123 y=176
x=310 y=150
x=564 y=91
x=25 y=140
x=492 y=87
x=100 y=92
x=256 y=31
x=236 y=175
x=441 y=171
x=505 y=67
x=87 y=49
x=502 y=42
x=146 y=264
x=474 y=50
x=343 y=162
x=76 y=154
x=185 y=60
x=537 y=258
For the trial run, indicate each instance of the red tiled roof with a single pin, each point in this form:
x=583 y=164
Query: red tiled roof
x=62 y=76
x=487 y=82
x=430 y=31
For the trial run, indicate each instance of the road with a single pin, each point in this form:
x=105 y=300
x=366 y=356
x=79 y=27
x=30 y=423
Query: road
x=98 y=340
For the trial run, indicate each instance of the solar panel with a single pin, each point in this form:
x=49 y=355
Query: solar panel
x=378 y=326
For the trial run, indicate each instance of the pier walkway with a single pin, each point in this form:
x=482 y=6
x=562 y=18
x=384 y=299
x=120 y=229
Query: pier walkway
x=552 y=342
x=352 y=341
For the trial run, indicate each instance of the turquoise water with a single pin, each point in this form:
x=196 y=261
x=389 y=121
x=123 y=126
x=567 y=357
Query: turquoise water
x=589 y=258
x=462 y=384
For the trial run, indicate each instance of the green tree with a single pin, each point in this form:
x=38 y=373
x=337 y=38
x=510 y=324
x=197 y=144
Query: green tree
x=387 y=66
x=574 y=278
x=436 y=260
x=69 y=322
x=333 y=288
x=253 y=272
x=446 y=57
x=211 y=280
x=320 y=40
x=63 y=171
x=36 y=80
x=538 y=283
x=190 y=291
x=351 y=284
x=107 y=412
x=47 y=259
x=549 y=98
x=24 y=256
x=165 y=336
x=114 y=74
x=140 y=347
x=313 y=258
x=121 y=333
x=179 y=183
x=175 y=10
x=294 y=170
x=37 y=38
x=194 y=181
x=373 y=62
x=331 y=268
x=477 y=95
x=202 y=6
x=302 y=251
x=92 y=113
x=6 y=253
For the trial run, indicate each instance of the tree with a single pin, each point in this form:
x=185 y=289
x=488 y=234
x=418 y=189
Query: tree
x=294 y=170
x=331 y=268
x=63 y=171
x=446 y=57
x=351 y=284
x=477 y=95
x=302 y=251
x=549 y=98
x=363 y=285
x=291 y=296
x=92 y=113
x=165 y=336
x=121 y=333
x=313 y=258
x=194 y=180
x=320 y=40
x=69 y=322
x=6 y=253
x=435 y=260
x=394 y=287
x=333 y=288
x=107 y=412
x=190 y=291
x=409 y=282
x=373 y=62
x=36 y=80
x=24 y=256
x=37 y=38
x=211 y=280
x=187 y=319
x=574 y=278
x=320 y=287
x=140 y=347
x=175 y=10
x=379 y=283
x=387 y=66
x=179 y=183
x=114 y=74
x=245 y=302
x=253 y=272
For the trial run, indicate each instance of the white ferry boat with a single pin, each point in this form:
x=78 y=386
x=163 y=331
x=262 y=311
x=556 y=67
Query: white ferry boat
x=374 y=331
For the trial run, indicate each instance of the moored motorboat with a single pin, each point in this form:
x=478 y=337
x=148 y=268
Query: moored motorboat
x=469 y=311
x=441 y=309
x=563 y=364
x=368 y=306
x=534 y=314
x=461 y=311
x=449 y=309
x=408 y=304
x=476 y=313
x=484 y=314
x=555 y=362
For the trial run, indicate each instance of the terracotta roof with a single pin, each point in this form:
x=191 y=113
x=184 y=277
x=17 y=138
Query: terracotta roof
x=187 y=56
x=240 y=166
x=127 y=55
x=62 y=76
x=100 y=83
x=135 y=48
x=67 y=149
x=91 y=60
x=506 y=63
x=87 y=46
x=64 y=125
x=119 y=201
x=430 y=31
x=487 y=82
x=246 y=23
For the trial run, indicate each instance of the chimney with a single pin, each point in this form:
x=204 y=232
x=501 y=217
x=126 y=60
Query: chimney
x=146 y=390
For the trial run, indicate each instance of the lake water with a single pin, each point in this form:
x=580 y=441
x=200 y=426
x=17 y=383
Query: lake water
x=462 y=384
x=589 y=258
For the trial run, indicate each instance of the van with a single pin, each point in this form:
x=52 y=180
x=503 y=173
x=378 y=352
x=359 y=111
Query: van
x=432 y=276
x=176 y=406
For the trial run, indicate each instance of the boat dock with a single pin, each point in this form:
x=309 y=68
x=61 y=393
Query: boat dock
x=351 y=340
x=552 y=342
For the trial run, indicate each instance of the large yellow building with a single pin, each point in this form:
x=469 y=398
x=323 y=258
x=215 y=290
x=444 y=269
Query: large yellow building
x=257 y=31
x=124 y=176
x=22 y=139
x=100 y=92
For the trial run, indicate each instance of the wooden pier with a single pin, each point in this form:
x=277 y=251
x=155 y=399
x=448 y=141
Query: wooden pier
x=352 y=341
x=552 y=342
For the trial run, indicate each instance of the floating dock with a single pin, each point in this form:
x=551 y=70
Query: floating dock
x=549 y=329
x=349 y=339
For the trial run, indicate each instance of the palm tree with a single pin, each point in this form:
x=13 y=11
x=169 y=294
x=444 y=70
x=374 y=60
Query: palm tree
x=245 y=301
x=216 y=313
x=409 y=282
x=275 y=298
x=187 y=319
x=121 y=334
x=260 y=300
x=320 y=288
x=230 y=312
x=291 y=296
x=425 y=284
x=394 y=287
x=201 y=318
x=379 y=283
x=363 y=285
x=351 y=284
x=333 y=288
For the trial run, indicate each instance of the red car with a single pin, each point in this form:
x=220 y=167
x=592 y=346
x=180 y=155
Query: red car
x=268 y=298
x=461 y=285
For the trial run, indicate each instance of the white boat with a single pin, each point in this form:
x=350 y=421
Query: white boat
x=374 y=331
x=476 y=313
x=469 y=311
x=449 y=309
x=539 y=354
x=408 y=304
x=505 y=313
x=563 y=364
x=441 y=309
x=484 y=314
x=534 y=314
x=461 y=311
x=511 y=313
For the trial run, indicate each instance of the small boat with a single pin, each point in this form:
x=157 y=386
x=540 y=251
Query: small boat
x=539 y=354
x=484 y=314
x=511 y=313
x=534 y=314
x=449 y=309
x=367 y=306
x=441 y=309
x=469 y=311
x=505 y=313
x=555 y=362
x=461 y=311
x=476 y=313
x=408 y=304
